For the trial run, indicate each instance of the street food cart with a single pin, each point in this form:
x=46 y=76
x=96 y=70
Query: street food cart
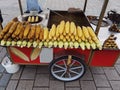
x=67 y=55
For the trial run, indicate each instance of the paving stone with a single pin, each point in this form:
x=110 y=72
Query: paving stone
x=2 y=88
x=5 y=79
x=118 y=68
x=1 y=48
x=12 y=85
x=40 y=88
x=42 y=69
x=118 y=61
x=87 y=85
x=73 y=84
x=1 y=68
x=97 y=70
x=3 y=53
x=101 y=81
x=104 y=89
x=111 y=73
x=115 y=85
x=87 y=75
x=56 y=85
x=18 y=74
x=25 y=85
x=31 y=66
x=28 y=73
x=72 y=89
x=42 y=80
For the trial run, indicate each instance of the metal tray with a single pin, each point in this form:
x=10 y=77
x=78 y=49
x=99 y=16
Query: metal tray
x=78 y=17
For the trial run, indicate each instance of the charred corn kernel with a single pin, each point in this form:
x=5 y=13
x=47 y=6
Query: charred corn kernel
x=85 y=32
x=72 y=27
x=53 y=30
x=91 y=32
x=67 y=27
x=93 y=45
x=79 y=31
x=82 y=45
x=71 y=44
x=27 y=30
x=46 y=33
x=66 y=44
x=76 y=44
x=60 y=44
x=62 y=26
x=36 y=19
x=55 y=43
x=87 y=44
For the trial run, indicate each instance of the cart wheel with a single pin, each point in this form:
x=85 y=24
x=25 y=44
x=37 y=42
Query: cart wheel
x=63 y=72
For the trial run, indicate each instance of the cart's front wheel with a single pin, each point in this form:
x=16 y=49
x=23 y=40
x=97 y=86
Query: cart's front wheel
x=67 y=70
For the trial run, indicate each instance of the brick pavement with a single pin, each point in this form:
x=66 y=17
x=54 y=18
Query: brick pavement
x=38 y=77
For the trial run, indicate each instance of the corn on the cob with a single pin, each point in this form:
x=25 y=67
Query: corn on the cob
x=41 y=35
x=60 y=44
x=87 y=44
x=45 y=44
x=46 y=33
x=62 y=26
x=66 y=44
x=50 y=44
x=91 y=32
x=76 y=44
x=33 y=19
x=72 y=27
x=93 y=45
x=27 y=30
x=13 y=28
x=71 y=44
x=7 y=27
x=55 y=43
x=53 y=30
x=67 y=27
x=29 y=19
x=36 y=19
x=38 y=30
x=57 y=31
x=82 y=45
x=40 y=44
x=85 y=32
x=3 y=42
x=79 y=31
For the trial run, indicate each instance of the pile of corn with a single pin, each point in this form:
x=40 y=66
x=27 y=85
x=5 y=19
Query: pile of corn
x=64 y=35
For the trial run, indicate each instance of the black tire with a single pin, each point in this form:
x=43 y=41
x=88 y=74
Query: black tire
x=53 y=65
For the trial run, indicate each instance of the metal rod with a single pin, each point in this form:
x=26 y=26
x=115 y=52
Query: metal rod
x=20 y=6
x=101 y=16
x=85 y=6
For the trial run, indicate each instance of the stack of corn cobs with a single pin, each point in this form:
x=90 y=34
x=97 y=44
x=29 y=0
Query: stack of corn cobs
x=64 y=35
